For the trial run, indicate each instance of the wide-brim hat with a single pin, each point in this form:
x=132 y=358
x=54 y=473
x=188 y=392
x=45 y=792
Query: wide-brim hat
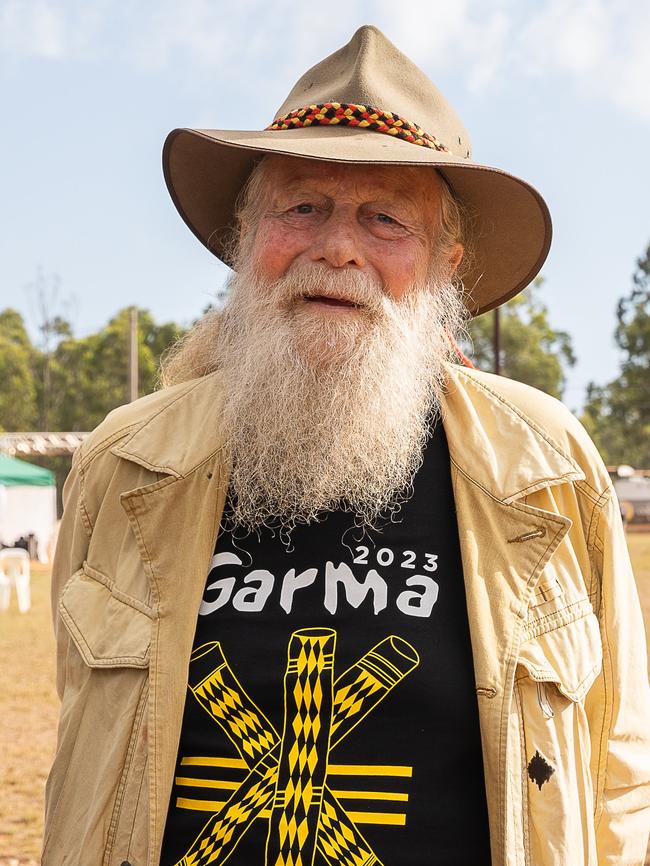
x=368 y=103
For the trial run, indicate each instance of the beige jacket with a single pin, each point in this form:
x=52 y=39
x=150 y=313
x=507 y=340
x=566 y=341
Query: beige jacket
x=557 y=635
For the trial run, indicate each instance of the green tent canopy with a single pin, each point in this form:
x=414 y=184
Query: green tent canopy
x=18 y=473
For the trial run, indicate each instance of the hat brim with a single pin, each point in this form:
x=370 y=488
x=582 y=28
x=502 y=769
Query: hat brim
x=206 y=169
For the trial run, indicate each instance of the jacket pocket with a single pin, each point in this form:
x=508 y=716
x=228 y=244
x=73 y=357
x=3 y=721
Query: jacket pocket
x=108 y=627
x=555 y=670
x=98 y=779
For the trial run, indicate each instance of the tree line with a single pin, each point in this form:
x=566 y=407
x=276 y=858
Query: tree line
x=64 y=382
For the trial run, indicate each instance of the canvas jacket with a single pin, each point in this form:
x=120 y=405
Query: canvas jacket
x=556 y=629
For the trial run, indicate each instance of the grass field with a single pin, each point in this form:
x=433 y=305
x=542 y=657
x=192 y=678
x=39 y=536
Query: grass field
x=28 y=710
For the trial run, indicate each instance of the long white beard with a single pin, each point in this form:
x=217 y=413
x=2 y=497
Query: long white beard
x=327 y=412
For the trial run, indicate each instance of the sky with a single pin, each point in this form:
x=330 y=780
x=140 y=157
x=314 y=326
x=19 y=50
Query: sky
x=556 y=92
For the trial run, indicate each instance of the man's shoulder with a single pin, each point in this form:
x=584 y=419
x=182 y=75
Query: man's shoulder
x=542 y=413
x=162 y=408
x=546 y=411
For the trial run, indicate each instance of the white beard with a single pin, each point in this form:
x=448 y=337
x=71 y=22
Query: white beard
x=329 y=411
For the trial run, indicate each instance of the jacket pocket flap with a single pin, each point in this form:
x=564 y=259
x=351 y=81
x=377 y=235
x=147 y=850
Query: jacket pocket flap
x=569 y=656
x=108 y=627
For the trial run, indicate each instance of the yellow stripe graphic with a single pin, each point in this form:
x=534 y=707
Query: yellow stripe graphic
x=368 y=770
x=199 y=805
x=206 y=783
x=210 y=806
x=371 y=795
x=238 y=763
x=398 y=820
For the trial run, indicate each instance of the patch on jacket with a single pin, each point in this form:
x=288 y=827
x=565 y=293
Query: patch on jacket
x=539 y=770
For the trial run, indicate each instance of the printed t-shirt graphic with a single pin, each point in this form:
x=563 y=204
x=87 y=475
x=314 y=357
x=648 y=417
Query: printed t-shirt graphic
x=331 y=713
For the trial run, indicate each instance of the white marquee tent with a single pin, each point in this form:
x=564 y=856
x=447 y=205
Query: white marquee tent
x=27 y=503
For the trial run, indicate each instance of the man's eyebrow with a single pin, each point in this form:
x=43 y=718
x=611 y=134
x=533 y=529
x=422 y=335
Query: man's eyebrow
x=296 y=188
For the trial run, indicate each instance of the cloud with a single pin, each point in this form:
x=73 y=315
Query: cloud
x=31 y=29
x=597 y=47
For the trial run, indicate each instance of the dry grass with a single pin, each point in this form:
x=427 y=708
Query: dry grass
x=28 y=710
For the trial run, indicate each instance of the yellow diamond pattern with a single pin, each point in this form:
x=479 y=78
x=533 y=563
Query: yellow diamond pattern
x=356 y=692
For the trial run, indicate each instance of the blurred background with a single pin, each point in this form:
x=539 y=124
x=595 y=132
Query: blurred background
x=99 y=276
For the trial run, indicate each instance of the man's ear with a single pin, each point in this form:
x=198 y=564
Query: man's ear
x=455 y=258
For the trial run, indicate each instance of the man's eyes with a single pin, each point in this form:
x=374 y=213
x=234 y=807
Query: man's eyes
x=381 y=220
x=303 y=208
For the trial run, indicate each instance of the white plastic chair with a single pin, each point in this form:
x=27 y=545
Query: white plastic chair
x=14 y=568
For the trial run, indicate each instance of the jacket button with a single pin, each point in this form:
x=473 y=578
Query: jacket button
x=125 y=863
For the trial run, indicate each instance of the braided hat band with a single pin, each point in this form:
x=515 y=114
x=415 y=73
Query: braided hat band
x=365 y=117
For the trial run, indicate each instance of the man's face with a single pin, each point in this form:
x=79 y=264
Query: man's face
x=333 y=343
x=377 y=220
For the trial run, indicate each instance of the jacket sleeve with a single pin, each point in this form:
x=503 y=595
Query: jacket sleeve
x=623 y=789
x=71 y=550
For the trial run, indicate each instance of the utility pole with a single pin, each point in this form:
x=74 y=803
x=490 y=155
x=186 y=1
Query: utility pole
x=133 y=355
x=497 y=342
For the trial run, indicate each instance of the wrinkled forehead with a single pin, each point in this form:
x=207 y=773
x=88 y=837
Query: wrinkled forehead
x=419 y=183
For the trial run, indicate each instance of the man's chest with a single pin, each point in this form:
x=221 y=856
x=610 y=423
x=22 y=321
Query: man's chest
x=341 y=660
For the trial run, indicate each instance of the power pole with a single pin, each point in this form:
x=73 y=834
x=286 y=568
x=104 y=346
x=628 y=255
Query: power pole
x=133 y=354
x=497 y=342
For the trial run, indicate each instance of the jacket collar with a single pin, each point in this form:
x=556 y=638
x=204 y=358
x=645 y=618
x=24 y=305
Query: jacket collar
x=495 y=444
x=181 y=432
x=491 y=441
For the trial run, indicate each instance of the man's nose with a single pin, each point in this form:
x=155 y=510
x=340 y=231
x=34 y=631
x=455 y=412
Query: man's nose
x=338 y=243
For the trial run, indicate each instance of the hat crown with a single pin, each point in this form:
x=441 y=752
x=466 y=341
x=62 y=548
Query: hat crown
x=371 y=71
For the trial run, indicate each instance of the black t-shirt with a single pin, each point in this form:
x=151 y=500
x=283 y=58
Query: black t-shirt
x=331 y=701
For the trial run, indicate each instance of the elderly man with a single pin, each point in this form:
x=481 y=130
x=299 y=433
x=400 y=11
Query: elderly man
x=329 y=597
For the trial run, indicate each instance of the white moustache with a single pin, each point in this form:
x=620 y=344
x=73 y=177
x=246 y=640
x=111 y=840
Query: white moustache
x=353 y=286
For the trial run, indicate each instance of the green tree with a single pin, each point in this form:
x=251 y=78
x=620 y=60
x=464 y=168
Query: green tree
x=89 y=375
x=18 y=395
x=532 y=351
x=618 y=414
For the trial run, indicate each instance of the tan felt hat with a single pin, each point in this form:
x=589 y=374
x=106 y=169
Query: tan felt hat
x=368 y=103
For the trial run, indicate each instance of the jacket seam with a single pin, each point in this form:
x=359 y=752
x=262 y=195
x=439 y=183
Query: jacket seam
x=502 y=759
x=513 y=503
x=522 y=773
x=117 y=593
x=119 y=798
x=594 y=592
x=591 y=492
x=540 y=482
x=104 y=444
x=83 y=511
x=551 y=677
x=590 y=551
x=153 y=814
x=135 y=810
x=141 y=461
x=607 y=713
x=533 y=629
